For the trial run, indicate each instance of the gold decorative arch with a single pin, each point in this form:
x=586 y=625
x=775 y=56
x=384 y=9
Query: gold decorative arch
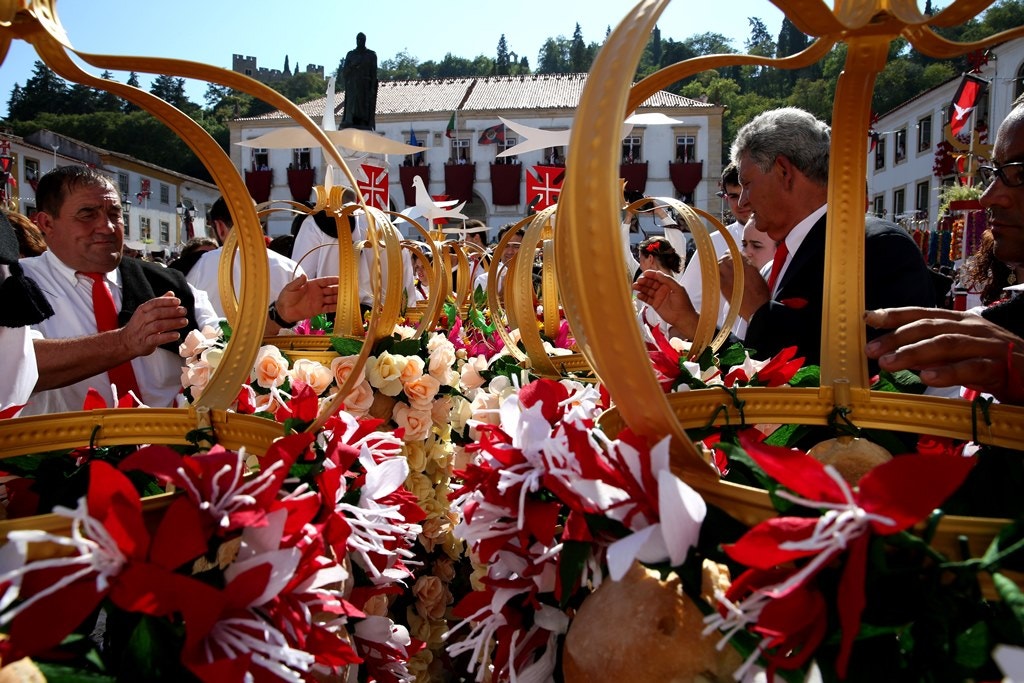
x=36 y=22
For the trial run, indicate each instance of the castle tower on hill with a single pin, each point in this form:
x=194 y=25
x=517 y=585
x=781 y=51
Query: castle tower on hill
x=248 y=66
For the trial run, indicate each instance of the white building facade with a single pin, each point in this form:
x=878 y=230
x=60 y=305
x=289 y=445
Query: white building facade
x=679 y=160
x=902 y=180
x=162 y=207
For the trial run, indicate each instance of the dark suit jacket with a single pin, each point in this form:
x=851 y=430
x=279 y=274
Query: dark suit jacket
x=895 y=274
x=142 y=281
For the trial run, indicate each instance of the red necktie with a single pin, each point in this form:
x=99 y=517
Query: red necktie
x=781 y=252
x=106 y=319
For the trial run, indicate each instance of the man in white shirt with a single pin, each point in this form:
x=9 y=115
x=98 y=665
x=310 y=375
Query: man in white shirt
x=205 y=274
x=316 y=250
x=81 y=218
x=692 y=278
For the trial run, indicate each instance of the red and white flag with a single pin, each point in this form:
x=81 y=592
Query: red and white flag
x=964 y=101
x=547 y=185
x=375 y=188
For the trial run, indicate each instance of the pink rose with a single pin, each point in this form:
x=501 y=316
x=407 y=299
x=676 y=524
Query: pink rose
x=441 y=410
x=360 y=399
x=417 y=423
x=310 y=372
x=270 y=369
x=421 y=391
x=442 y=358
x=195 y=376
x=413 y=369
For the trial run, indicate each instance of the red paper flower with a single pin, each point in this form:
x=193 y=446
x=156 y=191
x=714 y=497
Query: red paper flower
x=890 y=498
x=115 y=559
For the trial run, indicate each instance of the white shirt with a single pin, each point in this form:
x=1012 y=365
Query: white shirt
x=204 y=276
x=317 y=253
x=692 y=279
x=70 y=295
x=16 y=346
x=793 y=241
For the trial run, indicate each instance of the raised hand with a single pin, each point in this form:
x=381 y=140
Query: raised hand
x=668 y=298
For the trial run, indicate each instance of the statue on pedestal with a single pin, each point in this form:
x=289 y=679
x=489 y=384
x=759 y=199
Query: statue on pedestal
x=360 y=75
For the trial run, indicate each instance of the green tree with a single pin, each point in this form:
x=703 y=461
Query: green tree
x=792 y=41
x=287 y=68
x=302 y=87
x=44 y=92
x=578 y=62
x=133 y=80
x=81 y=99
x=502 y=65
x=454 y=67
x=171 y=90
x=554 y=56
x=401 y=67
x=106 y=101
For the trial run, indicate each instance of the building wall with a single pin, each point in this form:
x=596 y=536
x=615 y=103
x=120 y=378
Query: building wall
x=658 y=150
x=1004 y=71
x=31 y=161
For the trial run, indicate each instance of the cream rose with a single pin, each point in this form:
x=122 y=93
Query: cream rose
x=376 y=605
x=420 y=486
x=471 y=379
x=461 y=413
x=416 y=423
x=442 y=360
x=415 y=455
x=413 y=369
x=316 y=375
x=212 y=357
x=385 y=373
x=444 y=569
x=270 y=369
x=404 y=331
x=421 y=391
x=431 y=597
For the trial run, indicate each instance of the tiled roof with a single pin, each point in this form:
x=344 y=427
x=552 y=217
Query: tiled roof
x=494 y=93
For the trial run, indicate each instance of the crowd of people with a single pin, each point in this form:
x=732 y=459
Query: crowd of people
x=780 y=161
x=79 y=314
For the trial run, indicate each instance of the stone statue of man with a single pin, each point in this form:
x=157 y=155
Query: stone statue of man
x=360 y=75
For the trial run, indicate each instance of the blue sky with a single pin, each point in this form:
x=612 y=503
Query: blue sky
x=322 y=31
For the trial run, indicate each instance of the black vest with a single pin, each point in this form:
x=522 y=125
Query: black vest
x=142 y=281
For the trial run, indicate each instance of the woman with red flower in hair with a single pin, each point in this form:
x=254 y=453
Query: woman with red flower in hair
x=655 y=253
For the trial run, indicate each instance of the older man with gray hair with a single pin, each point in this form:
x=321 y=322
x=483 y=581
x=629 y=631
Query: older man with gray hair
x=783 y=161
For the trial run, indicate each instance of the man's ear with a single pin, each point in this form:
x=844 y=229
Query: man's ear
x=786 y=171
x=44 y=221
